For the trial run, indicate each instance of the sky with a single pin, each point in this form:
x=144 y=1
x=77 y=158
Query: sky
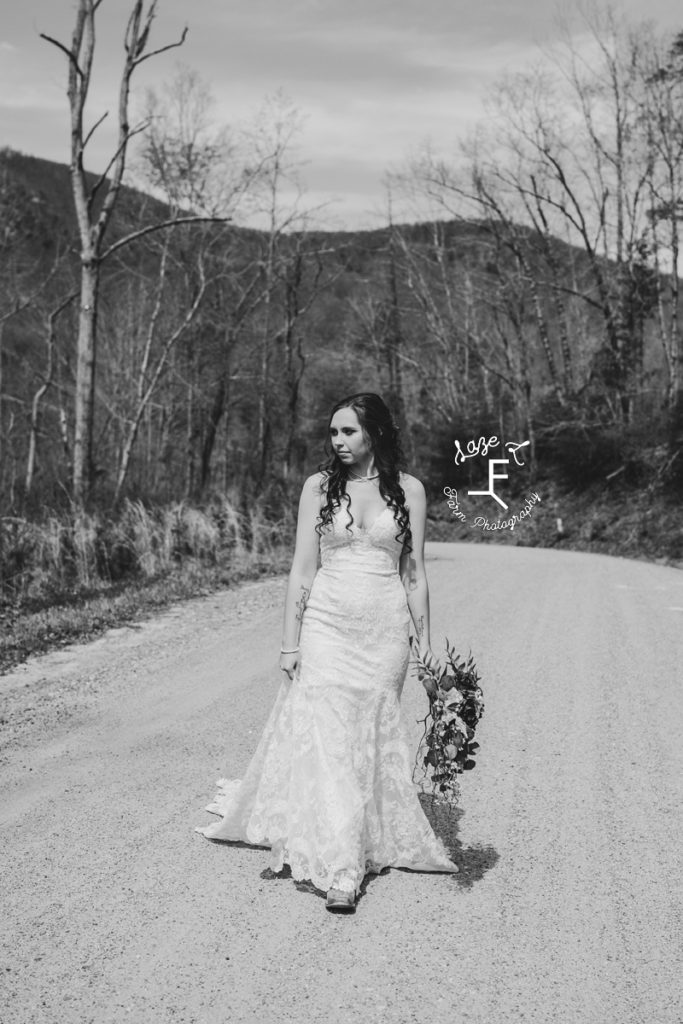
x=373 y=79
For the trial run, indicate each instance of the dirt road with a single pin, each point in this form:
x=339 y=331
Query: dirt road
x=568 y=904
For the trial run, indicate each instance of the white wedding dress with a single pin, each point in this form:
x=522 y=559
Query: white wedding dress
x=329 y=788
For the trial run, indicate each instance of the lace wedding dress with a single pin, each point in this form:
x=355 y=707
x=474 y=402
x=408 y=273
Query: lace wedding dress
x=329 y=788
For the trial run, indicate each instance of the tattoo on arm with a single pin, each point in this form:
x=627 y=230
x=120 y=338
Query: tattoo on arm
x=420 y=627
x=301 y=603
x=411 y=578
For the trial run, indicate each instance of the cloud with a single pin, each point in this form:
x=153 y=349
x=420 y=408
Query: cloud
x=375 y=77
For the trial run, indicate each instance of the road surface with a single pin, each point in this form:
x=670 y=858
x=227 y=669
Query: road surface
x=567 y=907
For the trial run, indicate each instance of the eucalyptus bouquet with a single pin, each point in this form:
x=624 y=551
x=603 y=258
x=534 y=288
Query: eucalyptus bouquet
x=456 y=703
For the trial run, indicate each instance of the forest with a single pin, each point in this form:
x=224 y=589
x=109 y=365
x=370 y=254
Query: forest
x=175 y=328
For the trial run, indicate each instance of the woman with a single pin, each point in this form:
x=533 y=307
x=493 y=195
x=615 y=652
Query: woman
x=329 y=788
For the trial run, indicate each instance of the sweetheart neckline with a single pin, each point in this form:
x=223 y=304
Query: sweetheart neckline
x=367 y=529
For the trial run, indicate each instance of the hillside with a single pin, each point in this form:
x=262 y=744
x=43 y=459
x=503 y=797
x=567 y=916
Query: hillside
x=44 y=187
x=467 y=327
x=224 y=415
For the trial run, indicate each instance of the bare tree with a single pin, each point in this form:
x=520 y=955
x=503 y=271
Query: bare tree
x=564 y=161
x=196 y=164
x=26 y=277
x=662 y=127
x=95 y=202
x=276 y=204
x=153 y=361
x=271 y=141
x=45 y=385
x=303 y=277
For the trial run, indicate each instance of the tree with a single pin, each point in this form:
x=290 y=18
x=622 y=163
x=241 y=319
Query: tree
x=563 y=169
x=50 y=329
x=197 y=165
x=662 y=126
x=194 y=164
x=33 y=257
x=95 y=202
x=270 y=143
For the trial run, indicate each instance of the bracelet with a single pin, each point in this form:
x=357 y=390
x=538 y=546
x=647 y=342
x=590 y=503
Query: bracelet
x=283 y=651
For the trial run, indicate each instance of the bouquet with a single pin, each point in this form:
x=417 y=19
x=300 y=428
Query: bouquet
x=456 y=703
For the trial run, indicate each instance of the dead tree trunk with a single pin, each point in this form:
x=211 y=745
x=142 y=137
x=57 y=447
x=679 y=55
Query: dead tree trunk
x=41 y=392
x=93 y=216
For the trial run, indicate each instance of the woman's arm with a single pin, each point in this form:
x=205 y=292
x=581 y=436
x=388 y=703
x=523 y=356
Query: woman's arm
x=412 y=567
x=304 y=566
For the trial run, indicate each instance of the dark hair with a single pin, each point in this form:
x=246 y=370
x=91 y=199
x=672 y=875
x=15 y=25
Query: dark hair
x=381 y=433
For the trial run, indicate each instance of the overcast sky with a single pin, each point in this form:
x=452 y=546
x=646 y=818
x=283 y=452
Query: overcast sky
x=374 y=77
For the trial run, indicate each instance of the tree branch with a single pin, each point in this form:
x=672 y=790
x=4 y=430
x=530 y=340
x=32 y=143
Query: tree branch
x=103 y=176
x=162 y=49
x=69 y=53
x=94 y=128
x=134 y=235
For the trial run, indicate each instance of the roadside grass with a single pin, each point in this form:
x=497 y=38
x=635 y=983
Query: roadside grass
x=69 y=578
x=84 y=615
x=630 y=523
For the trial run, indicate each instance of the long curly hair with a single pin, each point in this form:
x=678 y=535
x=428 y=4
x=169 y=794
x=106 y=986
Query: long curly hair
x=381 y=434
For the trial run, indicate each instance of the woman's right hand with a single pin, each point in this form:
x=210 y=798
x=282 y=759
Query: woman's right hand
x=289 y=663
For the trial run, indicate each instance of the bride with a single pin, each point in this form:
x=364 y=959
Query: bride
x=329 y=788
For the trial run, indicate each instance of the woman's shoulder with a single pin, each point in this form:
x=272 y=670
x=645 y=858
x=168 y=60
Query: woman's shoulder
x=412 y=487
x=316 y=483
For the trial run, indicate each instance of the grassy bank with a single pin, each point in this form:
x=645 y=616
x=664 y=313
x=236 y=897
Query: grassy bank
x=69 y=578
x=626 y=522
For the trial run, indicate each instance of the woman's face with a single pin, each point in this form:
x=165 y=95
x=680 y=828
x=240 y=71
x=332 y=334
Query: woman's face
x=347 y=438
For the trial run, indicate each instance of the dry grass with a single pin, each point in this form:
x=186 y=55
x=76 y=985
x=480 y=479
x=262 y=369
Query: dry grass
x=80 y=551
x=69 y=577
x=612 y=521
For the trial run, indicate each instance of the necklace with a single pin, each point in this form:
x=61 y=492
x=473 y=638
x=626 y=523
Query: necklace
x=363 y=479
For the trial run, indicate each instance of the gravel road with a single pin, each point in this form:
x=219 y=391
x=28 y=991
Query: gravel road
x=568 y=904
